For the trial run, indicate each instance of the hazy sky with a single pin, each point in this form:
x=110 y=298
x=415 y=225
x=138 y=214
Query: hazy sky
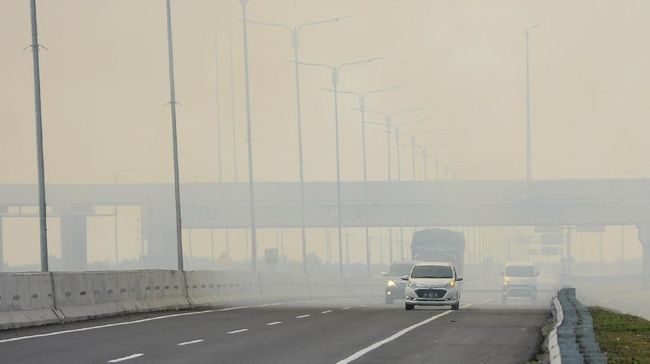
x=105 y=86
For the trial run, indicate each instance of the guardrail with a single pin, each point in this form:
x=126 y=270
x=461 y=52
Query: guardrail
x=32 y=299
x=572 y=340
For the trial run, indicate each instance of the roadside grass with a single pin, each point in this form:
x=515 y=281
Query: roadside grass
x=623 y=338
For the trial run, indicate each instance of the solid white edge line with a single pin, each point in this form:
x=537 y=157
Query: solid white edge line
x=302 y=316
x=274 y=323
x=190 y=342
x=126 y=358
x=237 y=331
x=396 y=335
x=151 y=319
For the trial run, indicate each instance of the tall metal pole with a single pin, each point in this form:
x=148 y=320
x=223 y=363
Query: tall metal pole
x=39 y=140
x=116 y=247
x=295 y=44
x=232 y=110
x=335 y=81
x=362 y=101
x=399 y=179
x=172 y=102
x=529 y=167
x=388 y=160
x=218 y=104
x=249 y=138
x=413 y=156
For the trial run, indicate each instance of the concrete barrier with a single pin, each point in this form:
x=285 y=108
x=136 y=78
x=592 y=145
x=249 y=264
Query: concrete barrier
x=29 y=299
x=26 y=299
x=209 y=288
x=83 y=295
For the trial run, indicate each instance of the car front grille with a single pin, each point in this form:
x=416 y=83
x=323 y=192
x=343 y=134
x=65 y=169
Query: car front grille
x=430 y=293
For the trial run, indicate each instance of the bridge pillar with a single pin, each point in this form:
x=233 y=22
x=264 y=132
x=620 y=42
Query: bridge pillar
x=159 y=230
x=644 y=238
x=73 y=243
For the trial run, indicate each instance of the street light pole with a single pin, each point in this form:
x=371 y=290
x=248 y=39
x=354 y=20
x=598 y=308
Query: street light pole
x=232 y=110
x=388 y=125
x=251 y=179
x=295 y=44
x=529 y=163
x=42 y=218
x=334 y=70
x=172 y=102
x=362 y=96
x=218 y=104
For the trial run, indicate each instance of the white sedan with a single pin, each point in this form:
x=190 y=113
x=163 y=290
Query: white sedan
x=432 y=284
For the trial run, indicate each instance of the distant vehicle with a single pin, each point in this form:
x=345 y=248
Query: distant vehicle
x=439 y=245
x=519 y=280
x=432 y=284
x=394 y=284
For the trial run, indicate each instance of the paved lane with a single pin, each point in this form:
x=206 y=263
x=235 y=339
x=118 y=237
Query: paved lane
x=305 y=332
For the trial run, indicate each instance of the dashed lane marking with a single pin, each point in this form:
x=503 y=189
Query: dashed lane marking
x=274 y=323
x=302 y=316
x=237 y=331
x=190 y=342
x=328 y=311
x=126 y=358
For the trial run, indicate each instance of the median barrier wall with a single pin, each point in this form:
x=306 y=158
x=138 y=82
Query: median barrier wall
x=220 y=287
x=26 y=299
x=83 y=295
x=30 y=299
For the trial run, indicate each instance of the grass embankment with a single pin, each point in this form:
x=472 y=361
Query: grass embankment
x=624 y=338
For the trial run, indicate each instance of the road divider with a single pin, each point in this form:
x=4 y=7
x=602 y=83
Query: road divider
x=33 y=299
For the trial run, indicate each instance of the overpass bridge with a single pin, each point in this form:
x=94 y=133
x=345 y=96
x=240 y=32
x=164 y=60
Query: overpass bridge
x=439 y=203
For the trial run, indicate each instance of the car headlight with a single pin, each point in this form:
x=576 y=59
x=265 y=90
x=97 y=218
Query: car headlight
x=451 y=284
x=391 y=284
x=506 y=282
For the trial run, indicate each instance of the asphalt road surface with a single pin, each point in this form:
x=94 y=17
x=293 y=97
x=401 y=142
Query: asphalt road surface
x=325 y=331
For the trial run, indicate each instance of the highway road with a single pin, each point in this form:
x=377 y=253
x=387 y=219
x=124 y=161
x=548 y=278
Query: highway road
x=319 y=331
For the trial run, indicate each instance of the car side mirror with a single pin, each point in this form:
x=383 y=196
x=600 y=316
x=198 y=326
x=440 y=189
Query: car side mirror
x=405 y=277
x=459 y=279
x=385 y=274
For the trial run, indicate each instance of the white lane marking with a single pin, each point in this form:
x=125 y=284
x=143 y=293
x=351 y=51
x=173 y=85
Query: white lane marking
x=126 y=358
x=346 y=308
x=302 y=316
x=237 y=331
x=328 y=311
x=151 y=319
x=374 y=346
x=190 y=342
x=274 y=323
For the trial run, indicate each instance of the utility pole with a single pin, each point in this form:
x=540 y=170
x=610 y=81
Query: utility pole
x=172 y=102
x=249 y=138
x=42 y=218
x=529 y=163
x=295 y=44
x=232 y=110
x=334 y=71
x=218 y=104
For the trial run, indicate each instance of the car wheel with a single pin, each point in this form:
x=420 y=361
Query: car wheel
x=389 y=300
x=408 y=306
x=455 y=306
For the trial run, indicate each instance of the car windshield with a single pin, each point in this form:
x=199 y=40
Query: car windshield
x=520 y=271
x=432 y=271
x=400 y=269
